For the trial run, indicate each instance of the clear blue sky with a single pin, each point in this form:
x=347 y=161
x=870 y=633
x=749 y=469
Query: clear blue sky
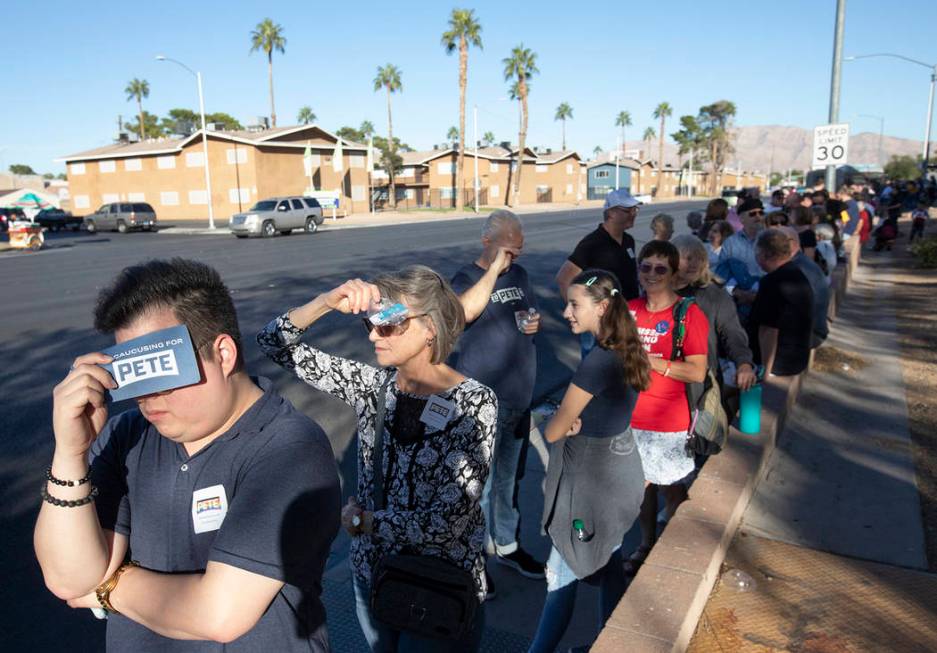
x=65 y=68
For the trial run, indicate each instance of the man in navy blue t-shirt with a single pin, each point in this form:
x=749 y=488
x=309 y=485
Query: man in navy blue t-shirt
x=497 y=349
x=223 y=496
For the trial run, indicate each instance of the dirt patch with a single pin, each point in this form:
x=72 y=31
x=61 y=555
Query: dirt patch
x=829 y=359
x=914 y=297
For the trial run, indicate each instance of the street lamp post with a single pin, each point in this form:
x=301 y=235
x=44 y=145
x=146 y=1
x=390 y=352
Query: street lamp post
x=201 y=110
x=930 y=99
x=881 y=133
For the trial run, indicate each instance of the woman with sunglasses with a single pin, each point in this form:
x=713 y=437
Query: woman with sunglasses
x=661 y=418
x=434 y=468
x=595 y=483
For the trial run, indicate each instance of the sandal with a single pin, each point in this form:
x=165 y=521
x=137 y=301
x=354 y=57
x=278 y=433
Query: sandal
x=635 y=560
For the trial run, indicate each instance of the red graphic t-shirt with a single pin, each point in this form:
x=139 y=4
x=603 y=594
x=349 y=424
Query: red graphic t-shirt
x=663 y=406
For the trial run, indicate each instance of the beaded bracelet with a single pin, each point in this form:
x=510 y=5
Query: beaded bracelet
x=63 y=503
x=60 y=482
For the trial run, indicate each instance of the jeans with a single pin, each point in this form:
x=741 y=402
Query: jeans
x=561 y=598
x=383 y=639
x=497 y=502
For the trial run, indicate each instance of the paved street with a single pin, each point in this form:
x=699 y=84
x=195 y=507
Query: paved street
x=48 y=298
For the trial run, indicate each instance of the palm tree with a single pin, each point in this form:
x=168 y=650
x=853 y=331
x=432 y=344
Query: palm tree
x=521 y=65
x=366 y=128
x=649 y=135
x=306 y=116
x=463 y=31
x=662 y=111
x=137 y=89
x=488 y=138
x=623 y=119
x=268 y=36
x=388 y=78
x=453 y=134
x=564 y=112
x=597 y=150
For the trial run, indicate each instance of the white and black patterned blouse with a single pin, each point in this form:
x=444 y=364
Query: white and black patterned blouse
x=433 y=484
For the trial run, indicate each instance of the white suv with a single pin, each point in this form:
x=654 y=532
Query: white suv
x=276 y=215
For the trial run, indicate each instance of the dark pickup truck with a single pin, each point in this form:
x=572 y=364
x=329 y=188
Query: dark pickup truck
x=56 y=219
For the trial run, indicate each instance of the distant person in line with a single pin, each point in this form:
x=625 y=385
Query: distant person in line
x=434 y=469
x=918 y=221
x=661 y=417
x=776 y=203
x=716 y=211
x=777 y=219
x=662 y=226
x=825 y=256
x=737 y=265
x=694 y=222
x=595 y=480
x=609 y=247
x=818 y=284
x=719 y=232
x=497 y=349
x=223 y=495
x=780 y=328
x=803 y=220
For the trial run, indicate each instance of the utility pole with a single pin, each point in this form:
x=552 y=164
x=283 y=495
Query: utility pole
x=475 y=138
x=835 y=82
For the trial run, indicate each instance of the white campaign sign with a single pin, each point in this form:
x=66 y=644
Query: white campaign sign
x=830 y=145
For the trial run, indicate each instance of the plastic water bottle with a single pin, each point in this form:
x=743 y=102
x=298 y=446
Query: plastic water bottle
x=580 y=529
x=750 y=410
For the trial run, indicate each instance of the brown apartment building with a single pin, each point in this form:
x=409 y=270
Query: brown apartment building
x=245 y=166
x=429 y=179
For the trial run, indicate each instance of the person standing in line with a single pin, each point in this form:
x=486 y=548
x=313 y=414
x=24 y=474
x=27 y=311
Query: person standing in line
x=662 y=226
x=661 y=418
x=918 y=221
x=821 y=291
x=737 y=264
x=497 y=349
x=608 y=248
x=719 y=232
x=716 y=211
x=595 y=481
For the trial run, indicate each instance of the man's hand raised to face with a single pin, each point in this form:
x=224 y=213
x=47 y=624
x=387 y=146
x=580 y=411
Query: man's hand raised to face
x=79 y=409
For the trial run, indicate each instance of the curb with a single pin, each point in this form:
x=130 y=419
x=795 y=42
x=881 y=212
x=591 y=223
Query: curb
x=661 y=608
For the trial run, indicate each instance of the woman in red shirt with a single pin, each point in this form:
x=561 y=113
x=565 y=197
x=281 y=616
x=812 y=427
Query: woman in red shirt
x=661 y=417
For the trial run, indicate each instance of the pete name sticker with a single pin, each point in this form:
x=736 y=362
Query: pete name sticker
x=437 y=412
x=209 y=507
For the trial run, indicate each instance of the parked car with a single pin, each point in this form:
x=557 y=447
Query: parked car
x=10 y=214
x=278 y=215
x=122 y=217
x=55 y=219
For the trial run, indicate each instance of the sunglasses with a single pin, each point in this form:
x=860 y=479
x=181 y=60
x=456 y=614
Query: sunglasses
x=755 y=213
x=388 y=330
x=660 y=270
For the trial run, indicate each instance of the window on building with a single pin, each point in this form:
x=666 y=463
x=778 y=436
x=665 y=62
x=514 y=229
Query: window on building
x=356 y=161
x=165 y=162
x=494 y=166
x=136 y=197
x=569 y=168
x=110 y=198
x=601 y=174
x=406 y=172
x=495 y=190
x=107 y=166
x=569 y=189
x=198 y=197
x=411 y=194
x=236 y=155
x=194 y=159
x=169 y=198
x=446 y=193
x=133 y=165
x=245 y=195
x=445 y=167
x=358 y=193
x=541 y=168
x=82 y=201
x=76 y=169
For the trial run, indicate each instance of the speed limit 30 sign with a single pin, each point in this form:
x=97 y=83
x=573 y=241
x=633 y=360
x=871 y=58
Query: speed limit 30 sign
x=830 y=145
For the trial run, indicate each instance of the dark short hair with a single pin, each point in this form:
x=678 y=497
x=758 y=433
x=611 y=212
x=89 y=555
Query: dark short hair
x=193 y=291
x=664 y=249
x=773 y=244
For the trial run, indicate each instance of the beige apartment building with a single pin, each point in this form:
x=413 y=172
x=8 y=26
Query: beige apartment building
x=245 y=166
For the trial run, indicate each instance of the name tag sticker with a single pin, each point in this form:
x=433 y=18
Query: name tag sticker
x=437 y=412
x=631 y=252
x=209 y=507
x=159 y=361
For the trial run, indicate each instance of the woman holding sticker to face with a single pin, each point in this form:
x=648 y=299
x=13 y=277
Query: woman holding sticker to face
x=661 y=418
x=435 y=447
x=595 y=482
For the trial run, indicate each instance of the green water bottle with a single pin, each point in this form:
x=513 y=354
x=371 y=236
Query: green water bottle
x=580 y=529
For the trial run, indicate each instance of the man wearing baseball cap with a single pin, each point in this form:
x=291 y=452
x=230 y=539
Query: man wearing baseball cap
x=609 y=247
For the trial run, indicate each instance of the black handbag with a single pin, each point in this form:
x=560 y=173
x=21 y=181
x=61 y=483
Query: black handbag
x=419 y=594
x=709 y=424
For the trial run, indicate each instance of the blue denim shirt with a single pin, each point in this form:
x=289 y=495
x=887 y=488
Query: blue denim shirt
x=737 y=261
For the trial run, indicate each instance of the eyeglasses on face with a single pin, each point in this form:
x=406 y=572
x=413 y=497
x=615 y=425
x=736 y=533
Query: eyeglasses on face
x=388 y=330
x=647 y=268
x=754 y=213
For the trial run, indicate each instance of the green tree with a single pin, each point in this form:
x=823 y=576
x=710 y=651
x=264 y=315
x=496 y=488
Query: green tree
x=21 y=169
x=623 y=119
x=488 y=138
x=388 y=78
x=137 y=89
x=268 y=36
x=597 y=150
x=464 y=31
x=519 y=67
x=715 y=121
x=227 y=121
x=62 y=176
x=351 y=134
x=48 y=175
x=180 y=121
x=663 y=111
x=564 y=112
x=648 y=136
x=151 y=127
x=903 y=167
x=689 y=137
x=366 y=129
x=453 y=134
x=305 y=116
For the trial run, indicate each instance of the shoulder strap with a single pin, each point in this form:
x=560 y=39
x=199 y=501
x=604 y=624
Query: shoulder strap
x=680 y=310
x=377 y=453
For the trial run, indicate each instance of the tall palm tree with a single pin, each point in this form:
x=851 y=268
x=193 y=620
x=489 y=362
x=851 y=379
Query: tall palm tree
x=453 y=134
x=564 y=112
x=306 y=116
x=268 y=36
x=649 y=135
x=623 y=119
x=137 y=89
x=463 y=32
x=597 y=150
x=488 y=138
x=366 y=128
x=520 y=66
x=662 y=111
x=388 y=78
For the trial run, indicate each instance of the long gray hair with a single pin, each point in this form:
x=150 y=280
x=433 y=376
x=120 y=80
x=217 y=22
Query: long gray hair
x=692 y=249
